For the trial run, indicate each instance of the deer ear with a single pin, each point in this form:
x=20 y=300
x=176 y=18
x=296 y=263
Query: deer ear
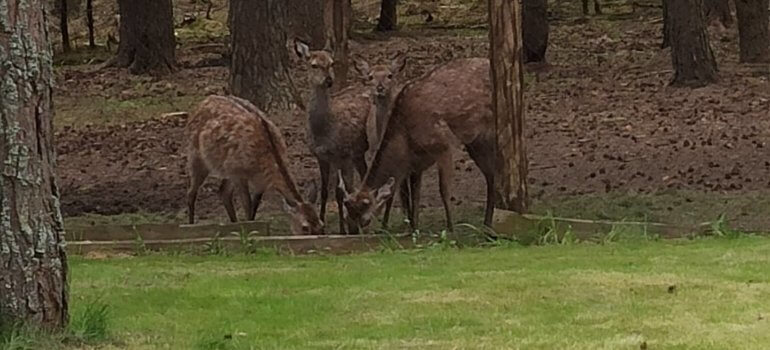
x=290 y=208
x=386 y=191
x=341 y=184
x=362 y=67
x=398 y=63
x=302 y=50
x=328 y=47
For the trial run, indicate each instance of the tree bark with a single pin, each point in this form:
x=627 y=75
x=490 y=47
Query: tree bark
x=691 y=54
x=64 y=26
x=666 y=29
x=90 y=23
x=535 y=29
x=260 y=58
x=753 y=30
x=718 y=10
x=388 y=16
x=337 y=20
x=508 y=103
x=147 y=43
x=33 y=263
x=306 y=21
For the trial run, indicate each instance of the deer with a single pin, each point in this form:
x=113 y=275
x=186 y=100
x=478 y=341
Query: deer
x=230 y=138
x=453 y=100
x=340 y=124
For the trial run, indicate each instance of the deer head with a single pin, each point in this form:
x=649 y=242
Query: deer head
x=304 y=218
x=382 y=77
x=365 y=204
x=320 y=62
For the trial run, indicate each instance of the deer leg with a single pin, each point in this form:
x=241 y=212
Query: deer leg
x=415 y=181
x=226 y=196
x=256 y=200
x=445 y=168
x=198 y=173
x=347 y=178
x=483 y=154
x=585 y=7
x=597 y=7
x=243 y=192
x=324 y=167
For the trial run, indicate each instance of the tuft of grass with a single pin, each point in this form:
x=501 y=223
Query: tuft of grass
x=91 y=324
x=20 y=337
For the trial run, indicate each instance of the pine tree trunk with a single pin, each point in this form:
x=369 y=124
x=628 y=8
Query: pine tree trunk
x=718 y=10
x=64 y=26
x=508 y=103
x=147 y=43
x=306 y=21
x=33 y=263
x=90 y=23
x=753 y=30
x=535 y=29
x=388 y=16
x=260 y=57
x=666 y=29
x=337 y=20
x=691 y=54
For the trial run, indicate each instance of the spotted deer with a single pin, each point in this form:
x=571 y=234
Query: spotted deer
x=230 y=138
x=337 y=125
x=452 y=101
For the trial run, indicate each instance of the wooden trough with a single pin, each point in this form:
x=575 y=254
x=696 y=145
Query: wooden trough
x=510 y=225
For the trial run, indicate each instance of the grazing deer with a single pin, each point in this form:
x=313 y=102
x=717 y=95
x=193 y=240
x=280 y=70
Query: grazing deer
x=337 y=124
x=231 y=139
x=453 y=100
x=597 y=7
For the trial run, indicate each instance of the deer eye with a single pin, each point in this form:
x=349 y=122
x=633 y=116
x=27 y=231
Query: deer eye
x=371 y=77
x=390 y=76
x=314 y=65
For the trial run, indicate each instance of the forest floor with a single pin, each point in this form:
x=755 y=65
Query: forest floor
x=606 y=136
x=706 y=293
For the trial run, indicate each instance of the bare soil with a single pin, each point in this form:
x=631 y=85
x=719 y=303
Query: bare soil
x=600 y=118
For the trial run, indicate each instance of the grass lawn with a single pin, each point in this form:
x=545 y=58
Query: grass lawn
x=701 y=294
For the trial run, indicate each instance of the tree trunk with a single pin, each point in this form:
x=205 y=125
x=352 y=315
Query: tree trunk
x=33 y=263
x=535 y=29
x=691 y=54
x=147 y=43
x=388 y=16
x=666 y=29
x=718 y=10
x=64 y=26
x=336 y=20
x=306 y=21
x=508 y=103
x=90 y=23
x=753 y=30
x=260 y=58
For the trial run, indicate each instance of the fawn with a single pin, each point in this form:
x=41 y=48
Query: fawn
x=338 y=124
x=453 y=100
x=230 y=138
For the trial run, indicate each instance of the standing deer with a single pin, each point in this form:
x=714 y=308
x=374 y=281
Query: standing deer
x=231 y=139
x=337 y=125
x=453 y=100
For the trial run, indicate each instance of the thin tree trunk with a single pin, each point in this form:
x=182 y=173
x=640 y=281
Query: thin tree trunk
x=388 y=16
x=507 y=78
x=753 y=30
x=535 y=29
x=33 y=263
x=691 y=54
x=90 y=23
x=260 y=58
x=147 y=42
x=306 y=21
x=64 y=26
x=337 y=22
x=666 y=28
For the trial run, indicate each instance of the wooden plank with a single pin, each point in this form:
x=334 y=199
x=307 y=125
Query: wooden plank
x=513 y=225
x=153 y=232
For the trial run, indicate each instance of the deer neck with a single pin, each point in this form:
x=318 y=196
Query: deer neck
x=391 y=160
x=383 y=108
x=320 y=110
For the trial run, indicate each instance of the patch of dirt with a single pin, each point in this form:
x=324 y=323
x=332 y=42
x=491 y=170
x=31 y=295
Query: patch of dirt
x=599 y=118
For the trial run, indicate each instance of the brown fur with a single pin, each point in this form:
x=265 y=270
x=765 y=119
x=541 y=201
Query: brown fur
x=426 y=117
x=231 y=139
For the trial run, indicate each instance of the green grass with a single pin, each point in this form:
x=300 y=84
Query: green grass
x=701 y=294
